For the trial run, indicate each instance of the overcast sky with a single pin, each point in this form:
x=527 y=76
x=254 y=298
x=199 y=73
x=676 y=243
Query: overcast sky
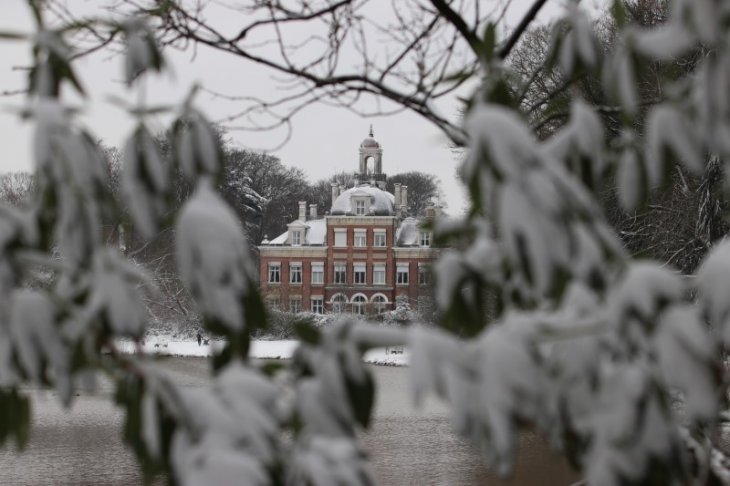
x=324 y=139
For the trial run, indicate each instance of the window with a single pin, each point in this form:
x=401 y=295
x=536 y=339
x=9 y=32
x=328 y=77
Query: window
x=338 y=303
x=380 y=303
x=317 y=305
x=360 y=237
x=424 y=275
x=358 y=304
x=295 y=273
x=295 y=305
x=360 y=207
x=379 y=238
x=296 y=238
x=425 y=238
x=401 y=276
x=340 y=273
x=340 y=237
x=359 y=273
x=317 y=273
x=274 y=272
x=379 y=275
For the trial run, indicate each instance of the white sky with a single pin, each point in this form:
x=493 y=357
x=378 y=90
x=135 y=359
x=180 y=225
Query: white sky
x=324 y=140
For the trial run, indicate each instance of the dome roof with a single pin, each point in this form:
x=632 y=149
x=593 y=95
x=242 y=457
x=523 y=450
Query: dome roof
x=381 y=202
x=369 y=141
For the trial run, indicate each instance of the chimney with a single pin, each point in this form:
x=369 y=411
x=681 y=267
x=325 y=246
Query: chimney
x=312 y=211
x=397 y=195
x=302 y=210
x=430 y=210
x=404 y=196
x=335 y=192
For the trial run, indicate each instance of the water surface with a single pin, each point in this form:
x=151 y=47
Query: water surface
x=83 y=446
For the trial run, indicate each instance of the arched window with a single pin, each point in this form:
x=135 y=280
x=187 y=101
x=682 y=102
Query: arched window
x=358 y=304
x=370 y=164
x=380 y=303
x=338 y=303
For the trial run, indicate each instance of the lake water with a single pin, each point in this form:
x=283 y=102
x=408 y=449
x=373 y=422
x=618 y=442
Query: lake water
x=406 y=446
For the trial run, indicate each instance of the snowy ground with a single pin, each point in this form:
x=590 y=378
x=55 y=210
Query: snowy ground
x=259 y=349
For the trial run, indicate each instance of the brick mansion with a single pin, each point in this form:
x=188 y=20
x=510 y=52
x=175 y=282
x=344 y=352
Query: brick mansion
x=365 y=252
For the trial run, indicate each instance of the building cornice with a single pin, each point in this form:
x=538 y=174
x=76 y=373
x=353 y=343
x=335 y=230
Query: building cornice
x=415 y=252
x=293 y=251
x=360 y=220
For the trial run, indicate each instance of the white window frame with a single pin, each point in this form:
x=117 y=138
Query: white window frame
x=361 y=238
x=339 y=305
x=340 y=237
x=343 y=267
x=317 y=273
x=358 y=301
x=379 y=303
x=424 y=274
x=379 y=269
x=402 y=269
x=425 y=238
x=292 y=267
x=317 y=305
x=295 y=305
x=278 y=272
x=274 y=302
x=296 y=237
x=359 y=273
x=361 y=207
x=379 y=238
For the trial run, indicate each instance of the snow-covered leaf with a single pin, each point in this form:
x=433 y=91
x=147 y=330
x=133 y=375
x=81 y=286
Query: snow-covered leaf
x=633 y=435
x=196 y=145
x=579 y=47
x=632 y=180
x=142 y=53
x=619 y=79
x=641 y=294
x=116 y=295
x=669 y=131
x=35 y=334
x=579 y=142
x=713 y=283
x=212 y=257
x=687 y=358
x=144 y=181
x=325 y=461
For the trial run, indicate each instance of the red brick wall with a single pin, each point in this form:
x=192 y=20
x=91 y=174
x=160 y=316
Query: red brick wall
x=348 y=255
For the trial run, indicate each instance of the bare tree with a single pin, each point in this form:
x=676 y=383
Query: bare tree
x=432 y=50
x=16 y=188
x=423 y=189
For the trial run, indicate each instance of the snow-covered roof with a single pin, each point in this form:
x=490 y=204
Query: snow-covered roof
x=381 y=202
x=314 y=234
x=407 y=232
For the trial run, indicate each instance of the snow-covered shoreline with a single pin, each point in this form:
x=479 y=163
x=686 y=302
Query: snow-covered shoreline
x=260 y=349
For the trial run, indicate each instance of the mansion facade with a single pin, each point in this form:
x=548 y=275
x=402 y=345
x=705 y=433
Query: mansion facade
x=361 y=256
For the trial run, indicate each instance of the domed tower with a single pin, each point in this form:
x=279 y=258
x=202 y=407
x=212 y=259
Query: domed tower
x=371 y=162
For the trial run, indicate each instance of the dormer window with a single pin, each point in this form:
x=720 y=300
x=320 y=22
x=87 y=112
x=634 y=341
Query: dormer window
x=296 y=238
x=360 y=203
x=425 y=238
x=360 y=207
